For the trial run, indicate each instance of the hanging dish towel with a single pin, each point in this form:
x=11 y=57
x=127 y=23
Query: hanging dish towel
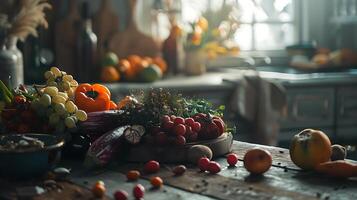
x=260 y=101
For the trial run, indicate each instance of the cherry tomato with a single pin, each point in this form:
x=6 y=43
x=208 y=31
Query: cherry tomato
x=156 y=182
x=232 y=159
x=180 y=129
x=98 y=190
x=121 y=195
x=196 y=127
x=189 y=121
x=203 y=163
x=152 y=166
x=179 y=120
x=133 y=175
x=138 y=191
x=214 y=167
x=180 y=140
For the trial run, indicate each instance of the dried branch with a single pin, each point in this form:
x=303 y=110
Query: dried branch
x=30 y=16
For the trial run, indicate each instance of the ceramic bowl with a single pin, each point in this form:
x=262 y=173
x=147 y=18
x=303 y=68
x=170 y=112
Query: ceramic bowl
x=20 y=163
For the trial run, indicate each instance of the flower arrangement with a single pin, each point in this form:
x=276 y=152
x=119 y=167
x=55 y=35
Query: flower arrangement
x=21 y=18
x=213 y=32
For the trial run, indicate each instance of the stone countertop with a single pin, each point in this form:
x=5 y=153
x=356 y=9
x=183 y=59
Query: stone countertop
x=213 y=81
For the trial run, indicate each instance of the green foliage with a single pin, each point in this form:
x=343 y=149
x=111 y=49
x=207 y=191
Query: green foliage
x=155 y=103
x=195 y=106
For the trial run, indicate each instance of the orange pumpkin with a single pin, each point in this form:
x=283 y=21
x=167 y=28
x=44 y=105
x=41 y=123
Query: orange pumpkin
x=309 y=148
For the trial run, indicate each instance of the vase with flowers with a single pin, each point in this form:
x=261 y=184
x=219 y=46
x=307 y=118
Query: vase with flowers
x=19 y=20
x=195 y=56
x=212 y=35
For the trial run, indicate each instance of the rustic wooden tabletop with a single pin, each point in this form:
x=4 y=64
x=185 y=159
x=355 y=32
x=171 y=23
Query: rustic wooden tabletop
x=283 y=181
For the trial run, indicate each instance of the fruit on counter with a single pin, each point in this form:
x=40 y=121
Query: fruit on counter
x=132 y=68
x=92 y=98
x=232 y=159
x=257 y=161
x=211 y=126
x=310 y=148
x=44 y=109
x=181 y=130
x=98 y=189
x=152 y=166
x=139 y=191
x=203 y=163
x=213 y=167
x=179 y=170
x=109 y=74
x=338 y=168
x=196 y=152
x=338 y=152
x=133 y=175
x=150 y=73
x=156 y=182
x=109 y=59
x=121 y=195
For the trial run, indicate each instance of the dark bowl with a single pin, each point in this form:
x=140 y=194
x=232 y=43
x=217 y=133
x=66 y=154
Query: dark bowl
x=30 y=163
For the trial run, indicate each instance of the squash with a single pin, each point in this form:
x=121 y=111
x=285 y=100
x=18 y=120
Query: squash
x=337 y=169
x=310 y=148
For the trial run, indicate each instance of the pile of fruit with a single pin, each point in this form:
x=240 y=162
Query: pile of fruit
x=311 y=150
x=179 y=130
x=132 y=68
x=42 y=109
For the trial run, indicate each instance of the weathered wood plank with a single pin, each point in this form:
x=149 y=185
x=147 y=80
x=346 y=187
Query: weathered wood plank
x=281 y=156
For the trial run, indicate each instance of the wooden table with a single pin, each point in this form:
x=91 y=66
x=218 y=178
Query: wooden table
x=283 y=181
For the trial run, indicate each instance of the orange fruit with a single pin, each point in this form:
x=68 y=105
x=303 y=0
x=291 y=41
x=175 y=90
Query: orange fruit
x=134 y=60
x=160 y=63
x=257 y=161
x=109 y=74
x=310 y=148
x=148 y=59
x=133 y=175
x=98 y=190
x=123 y=65
x=156 y=182
x=140 y=66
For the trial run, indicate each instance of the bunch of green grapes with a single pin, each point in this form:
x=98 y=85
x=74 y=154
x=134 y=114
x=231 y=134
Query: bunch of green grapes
x=55 y=101
x=61 y=80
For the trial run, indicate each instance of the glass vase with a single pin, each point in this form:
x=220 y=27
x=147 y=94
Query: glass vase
x=11 y=45
x=9 y=71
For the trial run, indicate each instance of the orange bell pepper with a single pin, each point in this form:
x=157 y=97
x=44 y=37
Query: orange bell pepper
x=92 y=98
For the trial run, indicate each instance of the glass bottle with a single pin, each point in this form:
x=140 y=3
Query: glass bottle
x=86 y=67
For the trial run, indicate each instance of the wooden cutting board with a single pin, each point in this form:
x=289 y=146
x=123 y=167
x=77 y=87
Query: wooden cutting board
x=65 y=40
x=105 y=25
x=132 y=41
x=178 y=154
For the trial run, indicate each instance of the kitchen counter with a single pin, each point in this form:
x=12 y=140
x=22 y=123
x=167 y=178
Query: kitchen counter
x=216 y=80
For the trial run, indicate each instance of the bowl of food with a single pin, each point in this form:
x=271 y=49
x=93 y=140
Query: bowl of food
x=28 y=155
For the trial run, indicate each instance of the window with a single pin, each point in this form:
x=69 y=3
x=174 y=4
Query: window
x=264 y=24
